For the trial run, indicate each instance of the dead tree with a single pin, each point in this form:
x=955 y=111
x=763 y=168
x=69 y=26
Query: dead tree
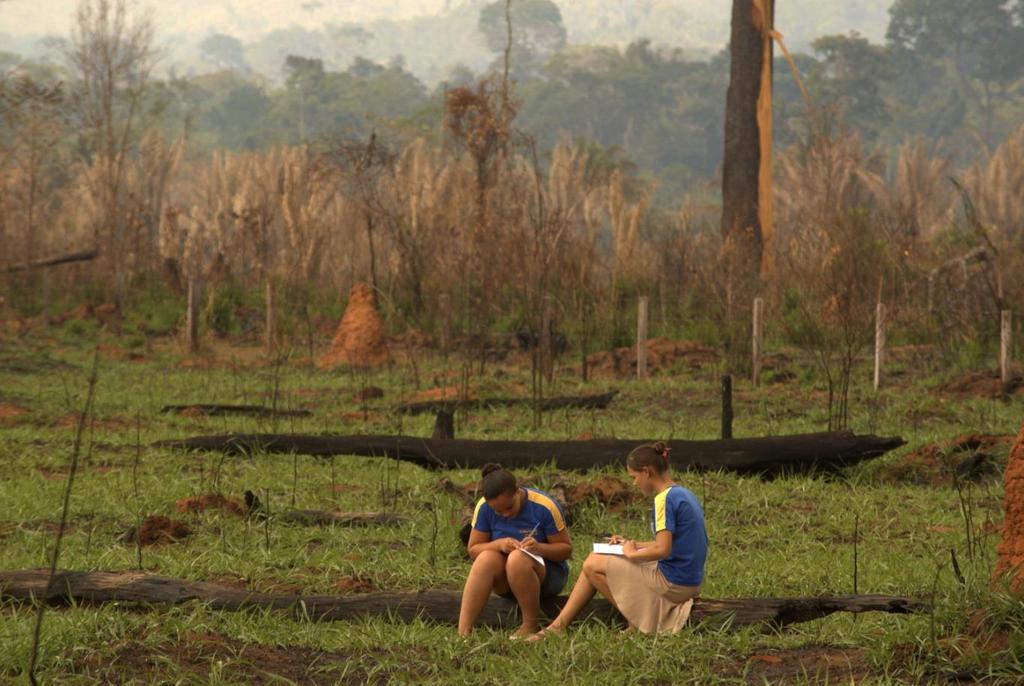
x=746 y=166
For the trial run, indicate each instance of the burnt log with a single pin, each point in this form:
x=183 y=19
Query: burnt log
x=217 y=410
x=769 y=456
x=585 y=402
x=436 y=605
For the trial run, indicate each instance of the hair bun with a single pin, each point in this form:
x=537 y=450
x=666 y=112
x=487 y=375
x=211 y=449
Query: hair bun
x=490 y=468
x=659 y=446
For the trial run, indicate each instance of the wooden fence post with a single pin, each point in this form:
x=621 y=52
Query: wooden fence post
x=756 y=343
x=444 y=304
x=547 y=356
x=192 y=316
x=727 y=406
x=270 y=316
x=1005 y=346
x=641 y=338
x=879 y=342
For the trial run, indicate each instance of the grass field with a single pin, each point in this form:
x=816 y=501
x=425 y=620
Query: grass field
x=790 y=536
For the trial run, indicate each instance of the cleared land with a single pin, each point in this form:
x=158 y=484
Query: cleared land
x=792 y=536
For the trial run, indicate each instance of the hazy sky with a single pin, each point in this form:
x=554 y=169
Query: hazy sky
x=699 y=26
x=239 y=17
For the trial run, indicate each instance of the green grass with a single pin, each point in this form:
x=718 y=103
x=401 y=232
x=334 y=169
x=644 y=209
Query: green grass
x=791 y=536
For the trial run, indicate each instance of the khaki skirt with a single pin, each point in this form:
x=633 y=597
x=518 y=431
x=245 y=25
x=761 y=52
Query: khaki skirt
x=646 y=598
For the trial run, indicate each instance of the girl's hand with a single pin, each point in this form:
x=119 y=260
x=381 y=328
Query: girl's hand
x=615 y=539
x=507 y=545
x=628 y=548
x=528 y=543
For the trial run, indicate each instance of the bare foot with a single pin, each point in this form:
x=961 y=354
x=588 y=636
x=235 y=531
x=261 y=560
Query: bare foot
x=524 y=632
x=544 y=633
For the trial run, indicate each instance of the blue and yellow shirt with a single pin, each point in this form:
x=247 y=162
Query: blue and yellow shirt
x=539 y=509
x=676 y=509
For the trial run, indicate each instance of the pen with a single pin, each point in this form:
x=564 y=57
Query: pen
x=533 y=532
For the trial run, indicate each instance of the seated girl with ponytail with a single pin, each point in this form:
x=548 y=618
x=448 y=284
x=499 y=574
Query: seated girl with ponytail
x=510 y=519
x=653 y=583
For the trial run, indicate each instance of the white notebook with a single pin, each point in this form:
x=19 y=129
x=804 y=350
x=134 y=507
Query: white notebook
x=535 y=556
x=608 y=549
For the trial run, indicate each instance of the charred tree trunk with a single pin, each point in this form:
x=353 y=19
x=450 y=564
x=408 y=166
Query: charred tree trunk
x=442 y=606
x=444 y=426
x=746 y=167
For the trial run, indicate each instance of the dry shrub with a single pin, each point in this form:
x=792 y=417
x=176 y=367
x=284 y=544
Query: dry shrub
x=913 y=198
x=996 y=185
x=835 y=257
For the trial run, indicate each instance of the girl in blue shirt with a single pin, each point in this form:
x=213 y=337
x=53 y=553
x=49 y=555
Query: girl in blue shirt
x=653 y=583
x=507 y=520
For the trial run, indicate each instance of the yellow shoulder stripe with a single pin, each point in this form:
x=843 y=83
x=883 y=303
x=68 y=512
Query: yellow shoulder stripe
x=659 y=510
x=476 y=511
x=552 y=507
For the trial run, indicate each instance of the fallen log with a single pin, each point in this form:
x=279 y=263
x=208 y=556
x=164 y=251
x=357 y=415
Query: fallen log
x=328 y=518
x=216 y=410
x=441 y=606
x=587 y=402
x=80 y=256
x=771 y=455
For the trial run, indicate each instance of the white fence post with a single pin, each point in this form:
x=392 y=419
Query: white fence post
x=756 y=343
x=641 y=338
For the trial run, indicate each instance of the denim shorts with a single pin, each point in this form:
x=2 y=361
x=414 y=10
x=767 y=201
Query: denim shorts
x=555 y=576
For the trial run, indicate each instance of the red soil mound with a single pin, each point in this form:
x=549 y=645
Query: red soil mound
x=354 y=584
x=1011 y=548
x=982 y=384
x=106 y=314
x=10 y=414
x=662 y=355
x=119 y=354
x=212 y=501
x=968 y=457
x=443 y=393
x=157 y=529
x=369 y=393
x=359 y=340
x=358 y=417
x=607 y=490
x=810 y=665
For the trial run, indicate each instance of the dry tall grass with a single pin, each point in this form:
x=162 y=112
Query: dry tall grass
x=566 y=226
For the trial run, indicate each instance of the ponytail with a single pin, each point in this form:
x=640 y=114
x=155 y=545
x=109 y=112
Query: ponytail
x=651 y=455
